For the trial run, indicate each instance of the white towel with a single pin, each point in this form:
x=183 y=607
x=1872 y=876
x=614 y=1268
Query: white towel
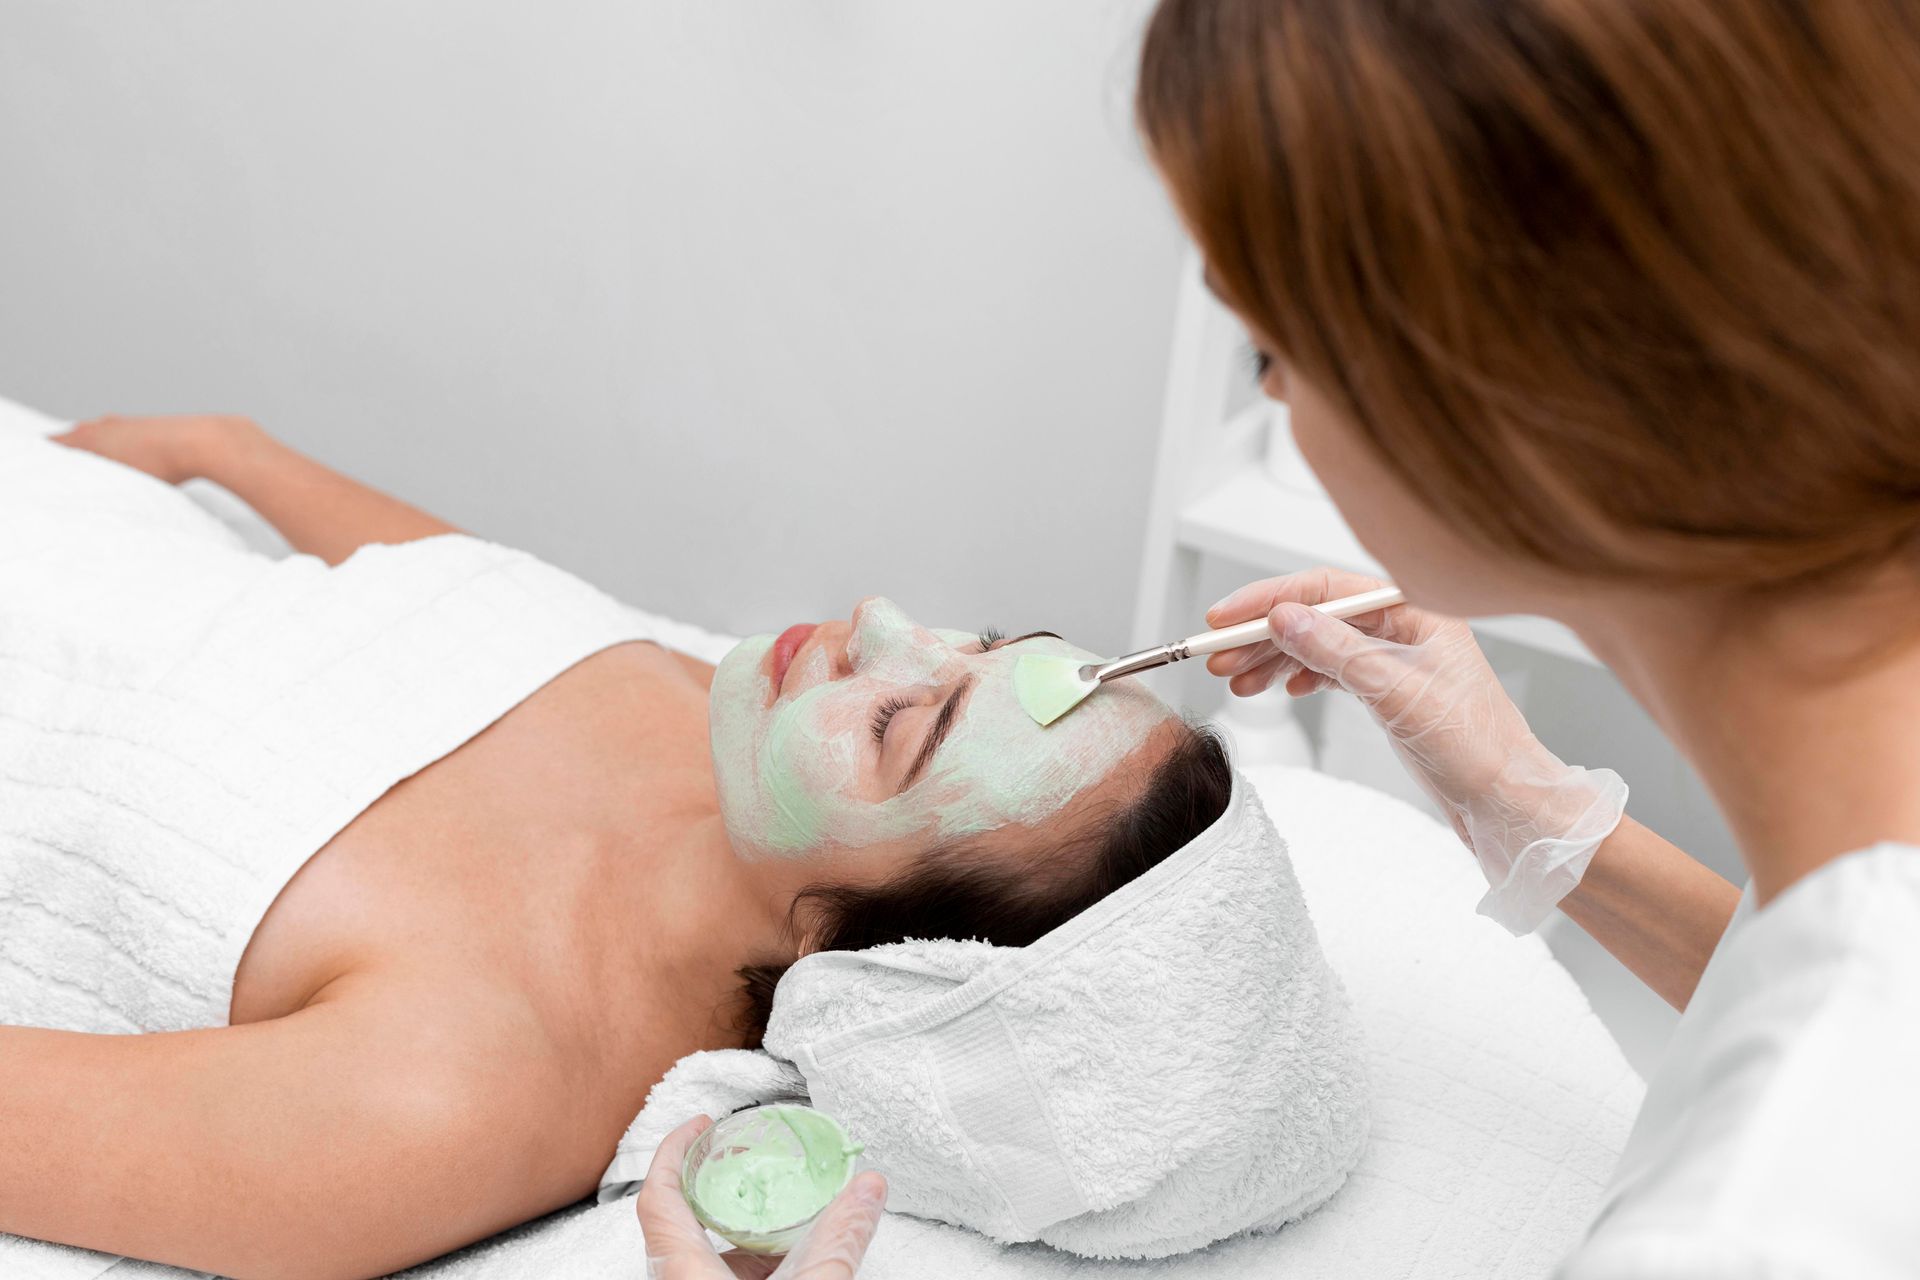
x=1174 y=1066
x=717 y=1082
x=183 y=722
x=1500 y=1102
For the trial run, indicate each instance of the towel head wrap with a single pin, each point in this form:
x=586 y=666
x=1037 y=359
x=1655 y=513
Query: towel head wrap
x=1173 y=1066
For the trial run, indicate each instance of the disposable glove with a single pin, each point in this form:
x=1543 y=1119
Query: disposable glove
x=1532 y=821
x=677 y=1245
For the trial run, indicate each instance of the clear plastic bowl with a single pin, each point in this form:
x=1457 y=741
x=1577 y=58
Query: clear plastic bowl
x=773 y=1136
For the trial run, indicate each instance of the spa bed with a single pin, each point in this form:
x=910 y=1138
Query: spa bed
x=1500 y=1101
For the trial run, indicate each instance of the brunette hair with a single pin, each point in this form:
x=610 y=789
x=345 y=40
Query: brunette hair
x=1629 y=288
x=954 y=893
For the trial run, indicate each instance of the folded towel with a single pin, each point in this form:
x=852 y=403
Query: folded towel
x=183 y=722
x=716 y=1082
x=1172 y=1067
x=1494 y=1083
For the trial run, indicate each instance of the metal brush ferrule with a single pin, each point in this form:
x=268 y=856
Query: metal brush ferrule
x=1145 y=660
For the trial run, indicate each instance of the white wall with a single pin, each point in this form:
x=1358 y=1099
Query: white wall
x=742 y=311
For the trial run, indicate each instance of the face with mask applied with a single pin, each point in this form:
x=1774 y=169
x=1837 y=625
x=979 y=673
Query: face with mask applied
x=877 y=731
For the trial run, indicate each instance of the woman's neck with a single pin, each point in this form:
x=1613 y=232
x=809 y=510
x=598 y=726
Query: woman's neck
x=705 y=912
x=1810 y=749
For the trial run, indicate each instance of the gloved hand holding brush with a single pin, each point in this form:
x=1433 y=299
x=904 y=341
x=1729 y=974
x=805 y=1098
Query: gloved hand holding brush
x=1532 y=821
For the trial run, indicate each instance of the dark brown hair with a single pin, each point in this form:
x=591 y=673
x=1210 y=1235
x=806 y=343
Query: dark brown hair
x=1630 y=288
x=956 y=893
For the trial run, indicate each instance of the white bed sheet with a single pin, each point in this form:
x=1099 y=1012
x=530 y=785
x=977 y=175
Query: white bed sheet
x=1501 y=1102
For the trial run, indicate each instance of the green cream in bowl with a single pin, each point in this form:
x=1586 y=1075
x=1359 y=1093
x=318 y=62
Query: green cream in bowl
x=761 y=1176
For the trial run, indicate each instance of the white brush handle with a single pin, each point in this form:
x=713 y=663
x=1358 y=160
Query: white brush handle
x=1247 y=633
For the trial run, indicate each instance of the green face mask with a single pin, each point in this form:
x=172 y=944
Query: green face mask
x=807 y=771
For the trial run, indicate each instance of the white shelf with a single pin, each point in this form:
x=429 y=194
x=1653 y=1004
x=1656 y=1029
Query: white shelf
x=1244 y=515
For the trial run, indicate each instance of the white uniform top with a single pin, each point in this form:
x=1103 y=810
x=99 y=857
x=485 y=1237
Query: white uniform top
x=1780 y=1135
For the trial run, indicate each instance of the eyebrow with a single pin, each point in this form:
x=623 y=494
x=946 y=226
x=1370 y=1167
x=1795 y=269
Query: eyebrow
x=949 y=712
x=942 y=726
x=1031 y=635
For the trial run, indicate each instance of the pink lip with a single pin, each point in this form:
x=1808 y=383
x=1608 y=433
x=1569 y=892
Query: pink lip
x=784 y=648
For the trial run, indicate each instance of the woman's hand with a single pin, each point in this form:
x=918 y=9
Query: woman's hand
x=1421 y=674
x=1532 y=821
x=176 y=448
x=677 y=1247
x=316 y=509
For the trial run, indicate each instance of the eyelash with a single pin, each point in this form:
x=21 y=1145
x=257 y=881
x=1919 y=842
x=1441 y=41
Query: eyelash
x=1258 y=363
x=884 y=713
x=889 y=708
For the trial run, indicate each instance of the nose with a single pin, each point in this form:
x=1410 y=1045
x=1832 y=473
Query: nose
x=843 y=644
x=881 y=631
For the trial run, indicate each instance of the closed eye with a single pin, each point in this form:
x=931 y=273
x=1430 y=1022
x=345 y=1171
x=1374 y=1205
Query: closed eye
x=884 y=713
x=942 y=725
x=894 y=704
x=991 y=639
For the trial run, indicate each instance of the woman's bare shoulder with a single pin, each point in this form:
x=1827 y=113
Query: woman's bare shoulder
x=371 y=1130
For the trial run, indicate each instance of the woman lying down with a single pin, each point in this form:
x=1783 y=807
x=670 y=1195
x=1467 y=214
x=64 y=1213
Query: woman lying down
x=418 y=862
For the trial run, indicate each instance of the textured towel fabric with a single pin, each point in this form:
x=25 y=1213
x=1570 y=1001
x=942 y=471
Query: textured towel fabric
x=717 y=1082
x=1500 y=1103
x=1174 y=1066
x=184 y=722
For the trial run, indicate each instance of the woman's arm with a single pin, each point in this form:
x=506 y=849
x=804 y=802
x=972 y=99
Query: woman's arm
x=344 y=1140
x=318 y=510
x=1432 y=691
x=1658 y=910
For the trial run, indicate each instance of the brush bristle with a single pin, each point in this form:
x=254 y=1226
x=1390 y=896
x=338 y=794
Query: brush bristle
x=1049 y=686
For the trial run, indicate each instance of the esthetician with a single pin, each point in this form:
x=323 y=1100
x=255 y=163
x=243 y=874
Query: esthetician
x=1609 y=311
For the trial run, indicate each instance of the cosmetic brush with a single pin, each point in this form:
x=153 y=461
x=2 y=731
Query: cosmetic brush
x=1049 y=686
